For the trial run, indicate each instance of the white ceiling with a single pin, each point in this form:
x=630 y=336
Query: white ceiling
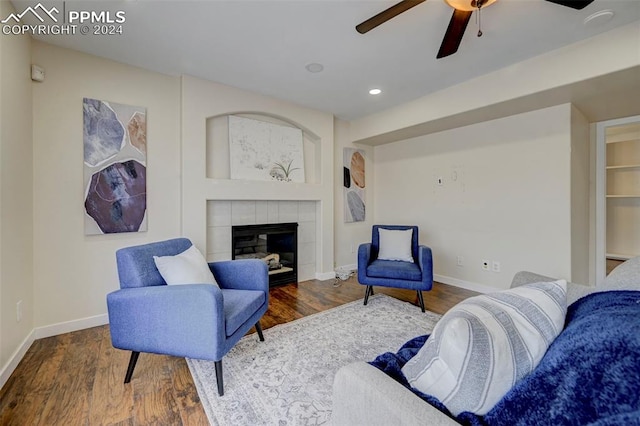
x=264 y=45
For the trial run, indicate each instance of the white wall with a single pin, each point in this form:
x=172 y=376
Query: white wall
x=202 y=100
x=348 y=236
x=16 y=196
x=506 y=196
x=74 y=272
x=582 y=176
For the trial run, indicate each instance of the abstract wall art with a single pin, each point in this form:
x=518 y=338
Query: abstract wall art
x=115 y=173
x=354 y=185
x=260 y=150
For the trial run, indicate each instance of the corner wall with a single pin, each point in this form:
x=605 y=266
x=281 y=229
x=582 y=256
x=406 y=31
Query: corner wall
x=582 y=176
x=506 y=196
x=16 y=198
x=348 y=236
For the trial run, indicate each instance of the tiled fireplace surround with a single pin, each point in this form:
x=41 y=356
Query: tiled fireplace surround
x=223 y=214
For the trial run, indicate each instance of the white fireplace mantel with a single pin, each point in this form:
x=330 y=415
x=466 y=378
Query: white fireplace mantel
x=202 y=100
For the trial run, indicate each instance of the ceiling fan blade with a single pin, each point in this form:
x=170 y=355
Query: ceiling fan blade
x=455 y=31
x=387 y=14
x=575 y=4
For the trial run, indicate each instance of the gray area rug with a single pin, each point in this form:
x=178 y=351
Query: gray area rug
x=288 y=378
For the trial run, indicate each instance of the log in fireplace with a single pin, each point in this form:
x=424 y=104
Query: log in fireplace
x=274 y=243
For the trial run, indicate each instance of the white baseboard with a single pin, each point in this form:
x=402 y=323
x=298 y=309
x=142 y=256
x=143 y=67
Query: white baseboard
x=331 y=275
x=322 y=276
x=468 y=285
x=15 y=358
x=69 y=326
x=350 y=267
x=47 y=331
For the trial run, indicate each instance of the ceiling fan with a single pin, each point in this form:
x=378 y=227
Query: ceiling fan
x=462 y=10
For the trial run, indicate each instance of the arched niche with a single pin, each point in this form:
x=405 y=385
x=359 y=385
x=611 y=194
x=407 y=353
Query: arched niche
x=217 y=152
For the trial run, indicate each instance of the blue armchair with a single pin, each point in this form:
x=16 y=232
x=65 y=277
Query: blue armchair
x=416 y=275
x=198 y=321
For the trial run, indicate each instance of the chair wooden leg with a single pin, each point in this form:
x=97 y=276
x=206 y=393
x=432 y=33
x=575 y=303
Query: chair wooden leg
x=219 y=377
x=259 y=330
x=132 y=365
x=421 y=300
x=367 y=293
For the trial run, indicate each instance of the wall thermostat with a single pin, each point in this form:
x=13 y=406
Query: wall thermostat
x=37 y=73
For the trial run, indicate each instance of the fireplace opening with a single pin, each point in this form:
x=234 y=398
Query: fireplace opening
x=276 y=244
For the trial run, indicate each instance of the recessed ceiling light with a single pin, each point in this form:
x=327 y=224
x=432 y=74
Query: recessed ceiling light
x=375 y=91
x=314 y=67
x=598 y=18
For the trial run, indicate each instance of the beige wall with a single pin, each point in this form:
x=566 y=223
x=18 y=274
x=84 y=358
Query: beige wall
x=348 y=236
x=506 y=196
x=74 y=272
x=16 y=195
x=582 y=174
x=202 y=100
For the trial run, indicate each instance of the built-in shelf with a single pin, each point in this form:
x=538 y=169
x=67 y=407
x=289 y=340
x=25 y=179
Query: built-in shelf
x=629 y=166
x=623 y=140
x=620 y=256
x=622 y=181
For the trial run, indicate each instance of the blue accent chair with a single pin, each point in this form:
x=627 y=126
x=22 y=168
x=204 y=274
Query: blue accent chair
x=197 y=321
x=390 y=273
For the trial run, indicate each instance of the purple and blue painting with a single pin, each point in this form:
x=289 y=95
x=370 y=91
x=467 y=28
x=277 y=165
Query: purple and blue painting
x=115 y=145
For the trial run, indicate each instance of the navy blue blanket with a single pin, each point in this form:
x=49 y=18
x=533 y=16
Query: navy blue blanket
x=590 y=374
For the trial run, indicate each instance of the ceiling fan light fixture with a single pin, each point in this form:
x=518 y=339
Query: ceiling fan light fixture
x=468 y=5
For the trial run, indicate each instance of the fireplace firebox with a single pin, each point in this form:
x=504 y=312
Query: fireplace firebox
x=274 y=243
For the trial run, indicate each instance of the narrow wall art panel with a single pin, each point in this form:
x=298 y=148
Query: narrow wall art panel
x=354 y=185
x=115 y=167
x=259 y=150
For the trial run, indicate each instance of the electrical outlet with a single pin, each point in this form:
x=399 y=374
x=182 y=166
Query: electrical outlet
x=486 y=265
x=460 y=261
x=495 y=266
x=19 y=311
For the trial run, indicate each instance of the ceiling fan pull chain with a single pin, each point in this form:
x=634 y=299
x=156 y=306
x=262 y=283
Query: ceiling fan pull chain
x=479 y=19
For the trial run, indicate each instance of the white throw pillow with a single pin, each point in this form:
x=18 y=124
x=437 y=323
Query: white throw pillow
x=188 y=267
x=395 y=244
x=481 y=347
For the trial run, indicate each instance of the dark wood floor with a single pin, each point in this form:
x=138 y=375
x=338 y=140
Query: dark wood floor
x=77 y=378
